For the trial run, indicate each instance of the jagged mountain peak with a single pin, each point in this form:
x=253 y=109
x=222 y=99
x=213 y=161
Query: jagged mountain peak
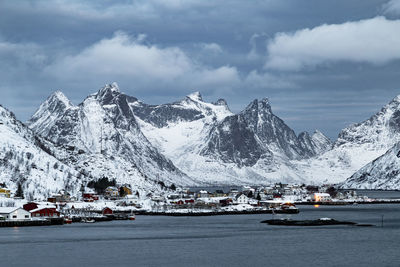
x=59 y=96
x=56 y=100
x=52 y=108
x=260 y=106
x=381 y=130
x=220 y=102
x=196 y=96
x=107 y=93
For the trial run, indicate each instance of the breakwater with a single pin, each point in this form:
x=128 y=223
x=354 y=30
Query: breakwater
x=46 y=222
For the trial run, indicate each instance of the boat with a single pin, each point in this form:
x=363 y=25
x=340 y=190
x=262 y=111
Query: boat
x=132 y=217
x=67 y=220
x=87 y=220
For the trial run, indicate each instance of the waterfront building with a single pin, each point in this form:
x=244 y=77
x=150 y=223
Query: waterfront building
x=107 y=211
x=45 y=212
x=14 y=214
x=321 y=197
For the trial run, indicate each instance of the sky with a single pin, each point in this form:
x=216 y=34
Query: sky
x=323 y=64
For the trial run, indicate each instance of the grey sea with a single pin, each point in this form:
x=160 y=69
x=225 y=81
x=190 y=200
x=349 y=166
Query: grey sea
x=238 y=240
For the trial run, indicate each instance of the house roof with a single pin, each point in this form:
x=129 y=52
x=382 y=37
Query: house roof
x=42 y=208
x=241 y=194
x=8 y=209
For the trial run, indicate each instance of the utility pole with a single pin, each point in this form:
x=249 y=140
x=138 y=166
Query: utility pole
x=101 y=139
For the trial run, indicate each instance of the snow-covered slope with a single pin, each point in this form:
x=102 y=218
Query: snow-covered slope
x=104 y=126
x=195 y=142
x=28 y=159
x=214 y=146
x=356 y=146
x=382 y=173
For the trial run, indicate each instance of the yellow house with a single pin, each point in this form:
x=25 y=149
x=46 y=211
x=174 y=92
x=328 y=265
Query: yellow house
x=126 y=190
x=5 y=192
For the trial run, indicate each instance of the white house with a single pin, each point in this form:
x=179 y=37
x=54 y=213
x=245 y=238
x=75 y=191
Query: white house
x=14 y=214
x=321 y=197
x=203 y=193
x=242 y=199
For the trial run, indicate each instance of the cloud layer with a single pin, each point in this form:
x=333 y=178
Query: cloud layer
x=374 y=41
x=124 y=58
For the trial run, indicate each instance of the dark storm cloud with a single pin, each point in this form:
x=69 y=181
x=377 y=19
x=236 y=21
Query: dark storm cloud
x=303 y=55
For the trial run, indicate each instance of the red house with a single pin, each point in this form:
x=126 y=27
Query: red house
x=107 y=211
x=45 y=212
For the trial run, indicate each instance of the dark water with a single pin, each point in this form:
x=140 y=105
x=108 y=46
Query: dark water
x=212 y=241
x=379 y=194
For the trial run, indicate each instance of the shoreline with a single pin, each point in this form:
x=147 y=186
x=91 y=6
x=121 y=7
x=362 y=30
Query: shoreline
x=215 y=213
x=343 y=203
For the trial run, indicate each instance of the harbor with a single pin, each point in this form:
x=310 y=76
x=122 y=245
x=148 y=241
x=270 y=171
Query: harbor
x=179 y=241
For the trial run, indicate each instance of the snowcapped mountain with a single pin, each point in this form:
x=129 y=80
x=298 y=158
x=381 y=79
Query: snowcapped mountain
x=356 y=146
x=215 y=146
x=382 y=173
x=255 y=132
x=192 y=142
x=104 y=126
x=29 y=160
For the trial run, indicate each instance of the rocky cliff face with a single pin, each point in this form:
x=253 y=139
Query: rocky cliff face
x=213 y=145
x=255 y=133
x=104 y=124
x=194 y=142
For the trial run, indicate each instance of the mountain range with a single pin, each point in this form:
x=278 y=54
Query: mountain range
x=189 y=143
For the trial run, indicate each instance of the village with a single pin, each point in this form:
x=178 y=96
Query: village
x=120 y=202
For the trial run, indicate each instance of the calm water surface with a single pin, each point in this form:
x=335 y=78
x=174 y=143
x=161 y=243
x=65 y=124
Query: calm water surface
x=239 y=240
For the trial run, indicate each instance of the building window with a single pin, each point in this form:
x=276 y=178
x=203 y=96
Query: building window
x=14 y=216
x=26 y=216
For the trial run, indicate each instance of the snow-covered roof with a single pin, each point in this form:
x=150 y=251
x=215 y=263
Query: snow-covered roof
x=8 y=209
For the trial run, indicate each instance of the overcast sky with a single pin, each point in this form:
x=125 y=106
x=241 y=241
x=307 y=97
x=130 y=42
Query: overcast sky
x=323 y=64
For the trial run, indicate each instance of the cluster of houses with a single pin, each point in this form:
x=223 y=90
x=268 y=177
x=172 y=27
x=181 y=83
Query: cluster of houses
x=258 y=196
x=267 y=196
x=29 y=211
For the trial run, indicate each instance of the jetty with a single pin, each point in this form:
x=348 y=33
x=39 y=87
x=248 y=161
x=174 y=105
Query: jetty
x=20 y=223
